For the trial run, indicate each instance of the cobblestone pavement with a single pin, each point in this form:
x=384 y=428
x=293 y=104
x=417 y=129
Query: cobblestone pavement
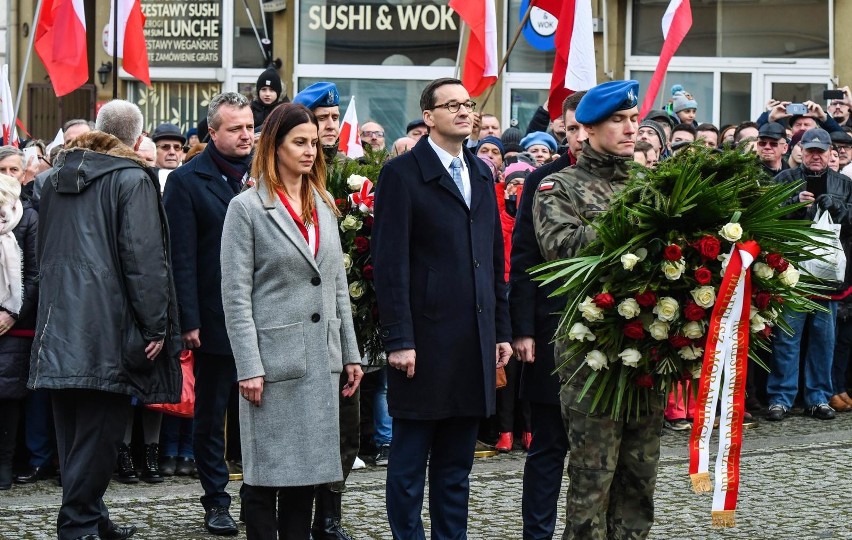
x=795 y=483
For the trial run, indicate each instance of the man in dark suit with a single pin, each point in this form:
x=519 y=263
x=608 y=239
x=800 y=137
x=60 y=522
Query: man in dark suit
x=535 y=316
x=438 y=257
x=196 y=200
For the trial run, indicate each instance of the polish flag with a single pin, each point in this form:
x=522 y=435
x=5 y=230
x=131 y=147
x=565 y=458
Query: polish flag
x=677 y=20
x=480 y=62
x=132 y=48
x=60 y=42
x=7 y=109
x=350 y=133
x=574 y=67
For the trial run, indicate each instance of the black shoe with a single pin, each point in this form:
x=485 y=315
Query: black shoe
x=168 y=466
x=382 y=457
x=328 y=515
x=34 y=474
x=185 y=466
x=151 y=470
x=126 y=472
x=822 y=411
x=219 y=522
x=117 y=532
x=776 y=412
x=89 y=537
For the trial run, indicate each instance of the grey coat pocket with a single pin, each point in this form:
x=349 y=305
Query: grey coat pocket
x=282 y=352
x=335 y=353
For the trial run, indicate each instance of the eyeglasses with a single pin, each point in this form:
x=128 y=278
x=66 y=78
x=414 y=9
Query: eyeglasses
x=177 y=147
x=773 y=144
x=454 y=106
x=377 y=134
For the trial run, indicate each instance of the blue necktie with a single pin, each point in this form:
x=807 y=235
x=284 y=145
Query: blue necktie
x=455 y=168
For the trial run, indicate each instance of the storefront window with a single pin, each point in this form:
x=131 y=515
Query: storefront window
x=739 y=28
x=700 y=85
x=252 y=36
x=378 y=32
x=533 y=53
x=523 y=107
x=181 y=104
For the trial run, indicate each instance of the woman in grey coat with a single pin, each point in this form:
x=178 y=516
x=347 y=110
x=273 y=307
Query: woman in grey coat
x=287 y=311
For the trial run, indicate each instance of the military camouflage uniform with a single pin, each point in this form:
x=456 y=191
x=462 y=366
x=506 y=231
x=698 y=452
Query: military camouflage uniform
x=612 y=466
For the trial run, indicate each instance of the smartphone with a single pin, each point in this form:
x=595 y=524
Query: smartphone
x=797 y=108
x=832 y=94
x=30 y=152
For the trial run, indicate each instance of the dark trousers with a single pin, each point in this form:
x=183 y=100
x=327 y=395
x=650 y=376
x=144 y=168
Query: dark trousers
x=448 y=445
x=89 y=427
x=291 y=520
x=543 y=471
x=215 y=379
x=508 y=402
x=39 y=431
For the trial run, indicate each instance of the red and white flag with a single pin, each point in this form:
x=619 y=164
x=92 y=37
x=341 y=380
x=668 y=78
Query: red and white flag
x=7 y=109
x=132 y=48
x=350 y=133
x=60 y=42
x=574 y=66
x=480 y=62
x=677 y=20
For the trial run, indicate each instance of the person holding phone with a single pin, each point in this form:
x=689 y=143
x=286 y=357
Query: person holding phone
x=800 y=116
x=288 y=316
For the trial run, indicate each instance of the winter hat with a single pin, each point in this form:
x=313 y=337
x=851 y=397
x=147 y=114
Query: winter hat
x=658 y=129
x=511 y=139
x=517 y=170
x=491 y=139
x=271 y=79
x=682 y=100
x=539 y=137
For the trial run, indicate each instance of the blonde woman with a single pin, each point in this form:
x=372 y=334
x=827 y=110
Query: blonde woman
x=287 y=312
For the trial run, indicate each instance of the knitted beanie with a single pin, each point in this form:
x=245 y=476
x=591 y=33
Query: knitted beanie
x=271 y=79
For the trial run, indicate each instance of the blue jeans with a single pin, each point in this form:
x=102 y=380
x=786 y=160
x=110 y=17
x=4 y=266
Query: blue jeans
x=382 y=422
x=176 y=437
x=782 y=383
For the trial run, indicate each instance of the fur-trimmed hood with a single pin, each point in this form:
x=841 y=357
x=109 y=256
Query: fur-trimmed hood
x=89 y=157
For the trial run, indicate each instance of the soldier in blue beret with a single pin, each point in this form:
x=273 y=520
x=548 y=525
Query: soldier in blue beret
x=323 y=100
x=612 y=465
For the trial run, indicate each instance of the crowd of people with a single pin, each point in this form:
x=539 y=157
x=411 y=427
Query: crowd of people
x=119 y=250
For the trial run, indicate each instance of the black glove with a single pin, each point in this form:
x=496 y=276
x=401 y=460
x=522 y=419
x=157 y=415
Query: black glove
x=829 y=204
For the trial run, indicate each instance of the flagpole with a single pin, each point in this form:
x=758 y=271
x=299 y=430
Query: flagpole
x=115 y=49
x=508 y=52
x=457 y=71
x=23 y=72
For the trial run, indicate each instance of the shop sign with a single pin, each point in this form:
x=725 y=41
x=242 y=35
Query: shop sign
x=183 y=33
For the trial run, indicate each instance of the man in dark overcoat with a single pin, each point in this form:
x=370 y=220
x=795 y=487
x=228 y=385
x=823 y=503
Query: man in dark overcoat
x=438 y=257
x=196 y=198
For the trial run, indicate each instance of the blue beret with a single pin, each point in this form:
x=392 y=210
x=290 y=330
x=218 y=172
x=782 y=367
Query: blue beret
x=321 y=94
x=604 y=99
x=491 y=140
x=539 y=137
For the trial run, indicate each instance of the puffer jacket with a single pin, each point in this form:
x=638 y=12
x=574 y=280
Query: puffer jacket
x=15 y=349
x=106 y=287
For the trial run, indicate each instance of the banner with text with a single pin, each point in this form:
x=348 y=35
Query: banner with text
x=183 y=33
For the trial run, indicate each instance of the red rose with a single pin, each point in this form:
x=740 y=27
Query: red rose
x=362 y=245
x=647 y=299
x=646 y=380
x=766 y=332
x=368 y=221
x=634 y=330
x=761 y=300
x=367 y=272
x=708 y=247
x=604 y=301
x=338 y=202
x=672 y=253
x=694 y=312
x=680 y=341
x=703 y=275
x=777 y=262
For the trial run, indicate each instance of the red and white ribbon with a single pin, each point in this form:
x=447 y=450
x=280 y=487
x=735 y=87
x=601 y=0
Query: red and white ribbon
x=724 y=370
x=363 y=199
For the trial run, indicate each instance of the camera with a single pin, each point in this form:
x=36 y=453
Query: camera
x=832 y=94
x=796 y=109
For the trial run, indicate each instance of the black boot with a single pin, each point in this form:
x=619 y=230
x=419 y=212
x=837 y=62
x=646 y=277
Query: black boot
x=10 y=411
x=126 y=473
x=327 y=515
x=151 y=470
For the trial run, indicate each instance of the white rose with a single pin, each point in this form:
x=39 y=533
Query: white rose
x=629 y=260
x=789 y=277
x=673 y=269
x=772 y=314
x=757 y=322
x=726 y=258
x=596 y=360
x=591 y=312
x=690 y=352
x=659 y=330
x=350 y=223
x=630 y=357
x=731 y=232
x=356 y=290
x=693 y=330
x=763 y=271
x=704 y=296
x=696 y=370
x=354 y=182
x=629 y=308
x=347 y=261
x=580 y=332
x=666 y=309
